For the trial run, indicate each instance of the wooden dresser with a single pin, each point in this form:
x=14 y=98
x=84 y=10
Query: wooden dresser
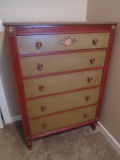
x=60 y=72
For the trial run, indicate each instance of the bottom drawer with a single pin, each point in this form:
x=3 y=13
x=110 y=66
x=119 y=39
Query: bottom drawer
x=65 y=119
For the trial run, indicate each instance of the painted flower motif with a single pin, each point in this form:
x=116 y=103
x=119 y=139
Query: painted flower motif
x=68 y=41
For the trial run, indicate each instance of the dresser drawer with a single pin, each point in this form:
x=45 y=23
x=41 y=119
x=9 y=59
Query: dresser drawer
x=52 y=104
x=62 y=62
x=61 y=83
x=57 y=121
x=61 y=42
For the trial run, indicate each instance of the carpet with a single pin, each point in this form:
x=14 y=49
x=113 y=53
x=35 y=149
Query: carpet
x=78 y=144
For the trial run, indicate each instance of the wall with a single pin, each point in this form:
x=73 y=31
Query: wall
x=43 y=10
x=109 y=10
x=32 y=11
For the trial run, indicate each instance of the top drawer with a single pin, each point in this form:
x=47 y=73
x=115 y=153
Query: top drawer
x=61 y=42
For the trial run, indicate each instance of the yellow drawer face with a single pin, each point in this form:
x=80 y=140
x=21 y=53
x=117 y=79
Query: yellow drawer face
x=62 y=62
x=61 y=83
x=53 y=122
x=52 y=104
x=61 y=42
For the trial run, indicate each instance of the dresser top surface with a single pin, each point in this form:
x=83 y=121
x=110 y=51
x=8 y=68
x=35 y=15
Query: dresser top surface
x=56 y=23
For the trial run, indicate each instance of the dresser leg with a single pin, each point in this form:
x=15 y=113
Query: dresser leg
x=93 y=126
x=29 y=143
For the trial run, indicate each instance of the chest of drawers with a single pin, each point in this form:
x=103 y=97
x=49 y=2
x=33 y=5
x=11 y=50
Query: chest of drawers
x=60 y=72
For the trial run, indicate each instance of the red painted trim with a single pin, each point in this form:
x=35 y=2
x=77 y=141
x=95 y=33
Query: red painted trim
x=65 y=111
x=105 y=73
x=61 y=52
x=53 y=94
x=63 y=72
x=35 y=30
x=18 y=82
x=63 y=129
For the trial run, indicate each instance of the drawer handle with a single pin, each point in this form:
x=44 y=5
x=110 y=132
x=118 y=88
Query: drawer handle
x=44 y=125
x=38 y=44
x=95 y=42
x=85 y=115
x=41 y=88
x=87 y=98
x=43 y=108
x=92 y=60
x=39 y=67
x=90 y=79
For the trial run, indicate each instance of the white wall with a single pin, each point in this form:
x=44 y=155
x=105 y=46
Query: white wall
x=32 y=11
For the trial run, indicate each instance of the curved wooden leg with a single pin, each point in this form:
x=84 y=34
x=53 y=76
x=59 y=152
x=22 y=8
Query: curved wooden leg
x=29 y=143
x=93 y=126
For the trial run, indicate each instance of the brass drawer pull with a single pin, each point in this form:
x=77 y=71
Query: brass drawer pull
x=85 y=115
x=95 y=42
x=38 y=45
x=92 y=60
x=44 y=125
x=87 y=98
x=39 y=67
x=41 y=88
x=43 y=108
x=90 y=79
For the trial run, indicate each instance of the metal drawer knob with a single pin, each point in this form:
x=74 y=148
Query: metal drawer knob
x=43 y=108
x=38 y=45
x=92 y=60
x=44 y=125
x=87 y=98
x=41 y=88
x=90 y=79
x=39 y=67
x=85 y=115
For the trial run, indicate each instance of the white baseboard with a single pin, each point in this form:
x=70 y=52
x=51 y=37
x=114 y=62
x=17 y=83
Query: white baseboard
x=109 y=137
x=16 y=118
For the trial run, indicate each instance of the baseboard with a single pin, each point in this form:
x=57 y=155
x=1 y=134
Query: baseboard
x=16 y=118
x=109 y=137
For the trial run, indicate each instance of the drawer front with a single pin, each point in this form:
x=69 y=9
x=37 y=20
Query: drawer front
x=62 y=102
x=61 y=42
x=57 y=121
x=60 y=83
x=52 y=63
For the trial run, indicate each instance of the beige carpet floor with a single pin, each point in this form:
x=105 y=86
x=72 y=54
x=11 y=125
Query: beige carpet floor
x=78 y=144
